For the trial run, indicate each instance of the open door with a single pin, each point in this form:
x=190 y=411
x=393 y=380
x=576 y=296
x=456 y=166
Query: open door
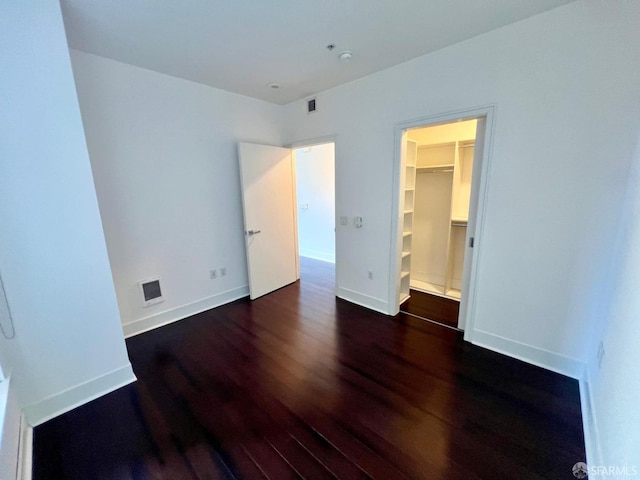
x=267 y=180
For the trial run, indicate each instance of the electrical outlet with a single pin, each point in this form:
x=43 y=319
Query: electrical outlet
x=223 y=271
x=370 y=274
x=357 y=222
x=213 y=274
x=601 y=353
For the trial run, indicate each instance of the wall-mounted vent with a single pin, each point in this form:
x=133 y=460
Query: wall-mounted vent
x=151 y=291
x=311 y=105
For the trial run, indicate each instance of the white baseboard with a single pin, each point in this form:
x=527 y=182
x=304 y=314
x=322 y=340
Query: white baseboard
x=589 y=423
x=25 y=450
x=363 y=300
x=528 y=353
x=59 y=403
x=325 y=257
x=169 y=316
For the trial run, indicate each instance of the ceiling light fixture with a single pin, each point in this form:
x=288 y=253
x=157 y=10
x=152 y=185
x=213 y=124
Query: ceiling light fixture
x=345 y=56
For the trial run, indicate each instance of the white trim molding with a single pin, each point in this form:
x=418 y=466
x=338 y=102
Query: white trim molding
x=25 y=450
x=363 y=300
x=589 y=422
x=160 y=319
x=555 y=362
x=62 y=402
x=312 y=142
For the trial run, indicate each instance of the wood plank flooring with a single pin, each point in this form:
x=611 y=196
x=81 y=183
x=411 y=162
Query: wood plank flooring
x=299 y=384
x=432 y=307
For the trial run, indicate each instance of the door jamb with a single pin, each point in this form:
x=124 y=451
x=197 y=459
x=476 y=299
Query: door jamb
x=312 y=142
x=488 y=112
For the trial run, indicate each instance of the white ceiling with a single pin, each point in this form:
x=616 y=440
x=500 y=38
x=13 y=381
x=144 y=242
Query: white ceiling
x=242 y=45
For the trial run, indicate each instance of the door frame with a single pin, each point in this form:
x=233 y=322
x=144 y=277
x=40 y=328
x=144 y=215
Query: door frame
x=479 y=194
x=311 y=143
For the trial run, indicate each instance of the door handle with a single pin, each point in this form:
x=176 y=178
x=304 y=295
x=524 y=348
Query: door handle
x=251 y=232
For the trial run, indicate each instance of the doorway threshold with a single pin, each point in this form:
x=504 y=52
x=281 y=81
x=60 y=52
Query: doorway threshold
x=440 y=324
x=432 y=308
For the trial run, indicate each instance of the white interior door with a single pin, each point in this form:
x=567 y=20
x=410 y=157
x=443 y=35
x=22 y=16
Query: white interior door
x=268 y=201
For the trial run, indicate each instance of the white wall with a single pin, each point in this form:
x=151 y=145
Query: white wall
x=567 y=101
x=315 y=184
x=615 y=388
x=69 y=344
x=164 y=158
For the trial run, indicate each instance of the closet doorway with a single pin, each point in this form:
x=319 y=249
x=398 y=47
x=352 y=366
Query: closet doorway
x=440 y=172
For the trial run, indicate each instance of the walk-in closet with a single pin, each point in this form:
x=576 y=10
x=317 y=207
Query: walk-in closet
x=437 y=178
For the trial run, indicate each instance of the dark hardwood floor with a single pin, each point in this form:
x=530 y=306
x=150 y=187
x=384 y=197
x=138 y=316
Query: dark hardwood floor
x=432 y=307
x=299 y=384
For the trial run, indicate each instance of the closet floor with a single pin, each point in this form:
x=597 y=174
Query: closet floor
x=432 y=307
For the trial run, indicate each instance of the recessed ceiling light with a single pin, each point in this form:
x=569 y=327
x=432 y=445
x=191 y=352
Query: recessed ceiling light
x=275 y=86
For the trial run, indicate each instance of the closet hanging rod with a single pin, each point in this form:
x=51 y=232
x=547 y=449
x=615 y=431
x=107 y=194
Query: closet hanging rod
x=434 y=170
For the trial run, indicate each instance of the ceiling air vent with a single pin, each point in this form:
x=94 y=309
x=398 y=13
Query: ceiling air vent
x=151 y=291
x=311 y=105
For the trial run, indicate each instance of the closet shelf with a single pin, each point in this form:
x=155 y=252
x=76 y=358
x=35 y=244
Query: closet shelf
x=435 y=169
x=409 y=186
